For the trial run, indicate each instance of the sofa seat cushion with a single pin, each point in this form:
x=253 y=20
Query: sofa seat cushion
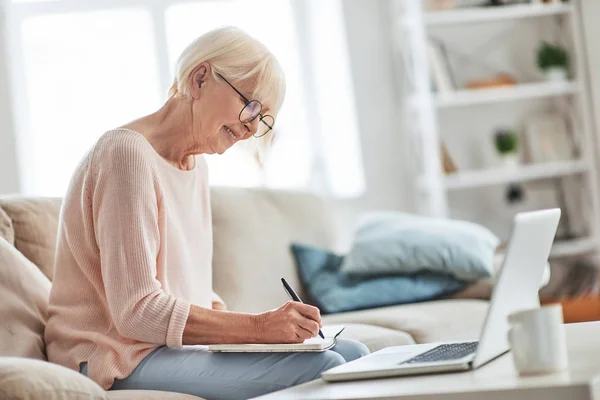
x=148 y=395
x=432 y=321
x=376 y=337
x=35 y=223
x=6 y=228
x=24 y=293
x=25 y=379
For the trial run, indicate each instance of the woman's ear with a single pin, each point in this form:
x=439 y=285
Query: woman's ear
x=198 y=79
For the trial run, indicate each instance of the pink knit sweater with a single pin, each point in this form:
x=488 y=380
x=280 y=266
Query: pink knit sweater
x=134 y=251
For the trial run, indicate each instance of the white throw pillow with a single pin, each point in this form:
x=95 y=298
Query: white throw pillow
x=395 y=243
x=26 y=379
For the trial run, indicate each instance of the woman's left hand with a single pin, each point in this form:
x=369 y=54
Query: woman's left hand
x=217 y=305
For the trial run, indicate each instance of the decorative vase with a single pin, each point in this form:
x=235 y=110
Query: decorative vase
x=555 y=74
x=510 y=160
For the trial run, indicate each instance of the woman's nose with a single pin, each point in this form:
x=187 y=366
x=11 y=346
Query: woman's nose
x=251 y=127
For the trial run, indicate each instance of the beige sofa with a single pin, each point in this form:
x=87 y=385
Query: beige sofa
x=252 y=232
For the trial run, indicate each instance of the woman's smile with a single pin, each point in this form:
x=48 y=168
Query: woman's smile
x=230 y=133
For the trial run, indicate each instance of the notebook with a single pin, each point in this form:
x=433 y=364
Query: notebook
x=330 y=332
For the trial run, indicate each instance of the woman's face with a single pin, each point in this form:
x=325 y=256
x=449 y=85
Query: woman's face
x=215 y=112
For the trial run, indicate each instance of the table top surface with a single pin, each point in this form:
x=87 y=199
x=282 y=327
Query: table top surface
x=583 y=343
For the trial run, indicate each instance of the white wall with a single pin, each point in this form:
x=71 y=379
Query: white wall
x=368 y=26
x=9 y=181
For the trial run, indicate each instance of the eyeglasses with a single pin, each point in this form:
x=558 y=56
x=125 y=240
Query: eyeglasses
x=252 y=110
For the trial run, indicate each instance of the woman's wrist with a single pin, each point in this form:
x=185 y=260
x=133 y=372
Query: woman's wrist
x=208 y=326
x=258 y=323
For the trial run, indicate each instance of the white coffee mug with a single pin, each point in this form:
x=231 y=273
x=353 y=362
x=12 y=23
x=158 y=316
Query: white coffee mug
x=537 y=340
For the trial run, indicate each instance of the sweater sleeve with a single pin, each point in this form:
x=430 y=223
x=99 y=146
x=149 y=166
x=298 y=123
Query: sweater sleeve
x=125 y=207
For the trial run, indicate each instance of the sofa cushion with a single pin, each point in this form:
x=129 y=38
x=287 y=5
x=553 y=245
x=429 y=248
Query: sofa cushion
x=35 y=223
x=376 y=337
x=396 y=243
x=253 y=229
x=24 y=293
x=334 y=291
x=148 y=395
x=25 y=379
x=6 y=228
x=432 y=321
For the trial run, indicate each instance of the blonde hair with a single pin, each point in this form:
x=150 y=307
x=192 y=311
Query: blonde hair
x=238 y=57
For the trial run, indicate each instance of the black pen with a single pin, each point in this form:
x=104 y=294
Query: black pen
x=295 y=297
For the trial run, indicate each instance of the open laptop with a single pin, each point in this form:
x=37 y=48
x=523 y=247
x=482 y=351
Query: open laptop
x=516 y=288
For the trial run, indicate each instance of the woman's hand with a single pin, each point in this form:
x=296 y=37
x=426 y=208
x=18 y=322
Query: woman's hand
x=291 y=323
x=217 y=305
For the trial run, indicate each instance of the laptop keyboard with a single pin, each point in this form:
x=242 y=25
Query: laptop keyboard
x=444 y=352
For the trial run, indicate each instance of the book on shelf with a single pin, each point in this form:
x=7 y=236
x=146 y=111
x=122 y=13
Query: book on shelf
x=442 y=79
x=448 y=163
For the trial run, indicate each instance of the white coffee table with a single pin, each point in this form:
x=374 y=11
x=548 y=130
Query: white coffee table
x=497 y=380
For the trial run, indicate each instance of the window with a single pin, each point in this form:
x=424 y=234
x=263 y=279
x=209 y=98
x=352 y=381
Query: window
x=81 y=79
x=81 y=68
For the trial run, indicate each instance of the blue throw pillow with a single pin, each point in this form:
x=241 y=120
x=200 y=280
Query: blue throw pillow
x=333 y=291
x=394 y=243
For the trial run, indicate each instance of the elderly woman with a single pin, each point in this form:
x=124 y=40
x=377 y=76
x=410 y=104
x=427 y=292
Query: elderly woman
x=132 y=291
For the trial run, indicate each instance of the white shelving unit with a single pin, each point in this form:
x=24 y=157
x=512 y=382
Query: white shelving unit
x=421 y=108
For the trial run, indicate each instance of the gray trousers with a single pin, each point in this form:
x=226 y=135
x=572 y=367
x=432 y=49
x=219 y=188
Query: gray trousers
x=232 y=375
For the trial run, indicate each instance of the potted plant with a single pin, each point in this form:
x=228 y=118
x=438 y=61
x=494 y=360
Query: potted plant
x=553 y=60
x=507 y=145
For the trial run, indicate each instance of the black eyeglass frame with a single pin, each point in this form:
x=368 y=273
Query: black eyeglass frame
x=246 y=102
